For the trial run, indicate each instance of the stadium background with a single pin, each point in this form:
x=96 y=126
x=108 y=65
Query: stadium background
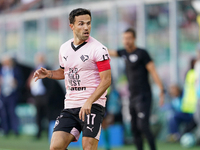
x=167 y=28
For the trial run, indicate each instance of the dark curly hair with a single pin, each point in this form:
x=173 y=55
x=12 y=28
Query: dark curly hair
x=131 y=31
x=78 y=12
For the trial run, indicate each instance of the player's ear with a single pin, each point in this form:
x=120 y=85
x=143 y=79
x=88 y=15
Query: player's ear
x=71 y=26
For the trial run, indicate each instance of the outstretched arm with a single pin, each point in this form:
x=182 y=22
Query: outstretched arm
x=103 y=86
x=52 y=74
x=151 y=68
x=113 y=53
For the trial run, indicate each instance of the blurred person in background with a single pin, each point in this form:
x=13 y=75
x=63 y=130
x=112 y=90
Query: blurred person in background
x=39 y=92
x=187 y=107
x=138 y=66
x=197 y=70
x=195 y=121
x=55 y=103
x=10 y=86
x=196 y=116
x=175 y=94
x=48 y=97
x=113 y=114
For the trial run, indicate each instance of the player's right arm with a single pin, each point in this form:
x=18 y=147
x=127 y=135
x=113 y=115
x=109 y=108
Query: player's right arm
x=52 y=74
x=113 y=53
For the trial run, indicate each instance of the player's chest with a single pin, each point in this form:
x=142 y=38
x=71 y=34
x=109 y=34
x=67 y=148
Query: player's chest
x=132 y=59
x=78 y=59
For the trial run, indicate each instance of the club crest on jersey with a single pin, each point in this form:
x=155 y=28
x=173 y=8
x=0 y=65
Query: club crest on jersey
x=84 y=57
x=133 y=58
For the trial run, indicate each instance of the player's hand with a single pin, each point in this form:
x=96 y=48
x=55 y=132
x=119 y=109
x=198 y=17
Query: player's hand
x=161 y=101
x=85 y=110
x=40 y=74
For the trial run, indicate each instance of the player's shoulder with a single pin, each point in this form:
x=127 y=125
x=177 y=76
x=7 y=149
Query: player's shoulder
x=66 y=44
x=121 y=50
x=96 y=43
x=141 y=50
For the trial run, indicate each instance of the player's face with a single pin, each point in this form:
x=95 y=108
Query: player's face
x=128 y=40
x=81 y=27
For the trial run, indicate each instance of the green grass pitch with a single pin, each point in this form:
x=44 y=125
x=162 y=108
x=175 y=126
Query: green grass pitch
x=29 y=143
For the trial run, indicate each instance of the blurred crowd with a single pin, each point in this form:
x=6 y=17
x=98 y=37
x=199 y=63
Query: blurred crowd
x=16 y=6
x=18 y=87
x=184 y=102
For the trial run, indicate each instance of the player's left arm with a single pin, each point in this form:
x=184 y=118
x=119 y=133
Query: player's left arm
x=152 y=70
x=103 y=86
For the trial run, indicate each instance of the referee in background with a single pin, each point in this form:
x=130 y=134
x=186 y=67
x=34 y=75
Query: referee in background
x=138 y=65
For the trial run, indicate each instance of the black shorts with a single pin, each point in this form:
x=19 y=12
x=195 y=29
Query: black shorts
x=69 y=121
x=140 y=106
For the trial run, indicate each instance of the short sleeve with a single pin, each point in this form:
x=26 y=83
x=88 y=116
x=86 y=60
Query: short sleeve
x=121 y=52
x=61 y=60
x=101 y=54
x=146 y=57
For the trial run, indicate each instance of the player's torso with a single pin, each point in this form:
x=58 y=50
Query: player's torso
x=134 y=62
x=79 y=67
x=136 y=71
x=81 y=71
